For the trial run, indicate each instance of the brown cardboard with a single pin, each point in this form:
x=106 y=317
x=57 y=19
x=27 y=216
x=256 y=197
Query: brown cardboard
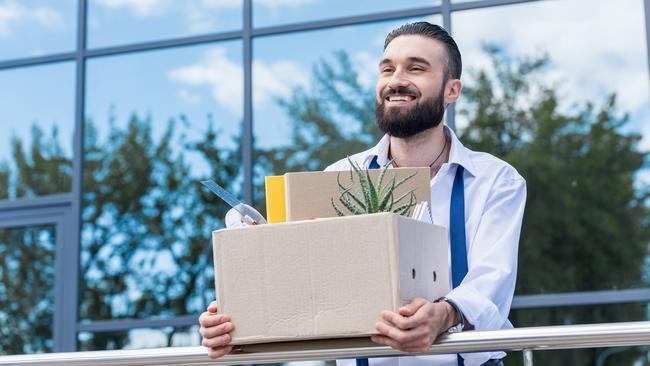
x=325 y=278
x=308 y=194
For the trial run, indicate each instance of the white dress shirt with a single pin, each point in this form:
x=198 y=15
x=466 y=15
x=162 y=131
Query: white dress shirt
x=495 y=196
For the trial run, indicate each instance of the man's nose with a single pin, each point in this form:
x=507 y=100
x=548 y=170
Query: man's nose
x=397 y=81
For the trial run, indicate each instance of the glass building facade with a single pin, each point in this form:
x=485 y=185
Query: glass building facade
x=111 y=111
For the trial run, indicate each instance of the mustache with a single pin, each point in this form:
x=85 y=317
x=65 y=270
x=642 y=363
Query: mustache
x=401 y=90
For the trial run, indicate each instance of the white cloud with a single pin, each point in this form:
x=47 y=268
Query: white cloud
x=189 y=97
x=13 y=13
x=596 y=47
x=197 y=12
x=277 y=79
x=215 y=4
x=225 y=78
x=141 y=8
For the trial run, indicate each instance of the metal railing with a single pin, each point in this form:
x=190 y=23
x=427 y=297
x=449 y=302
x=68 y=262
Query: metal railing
x=521 y=339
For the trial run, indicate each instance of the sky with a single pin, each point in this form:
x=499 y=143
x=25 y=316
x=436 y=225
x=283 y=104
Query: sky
x=597 y=47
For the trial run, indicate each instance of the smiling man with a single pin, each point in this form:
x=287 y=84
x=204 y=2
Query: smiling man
x=478 y=197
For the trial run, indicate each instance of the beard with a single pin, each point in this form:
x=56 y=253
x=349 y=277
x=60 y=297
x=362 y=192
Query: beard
x=407 y=122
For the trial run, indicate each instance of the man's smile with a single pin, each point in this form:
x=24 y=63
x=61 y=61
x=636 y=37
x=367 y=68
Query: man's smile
x=399 y=98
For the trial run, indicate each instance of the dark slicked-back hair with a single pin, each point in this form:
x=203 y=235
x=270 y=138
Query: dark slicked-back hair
x=454 y=64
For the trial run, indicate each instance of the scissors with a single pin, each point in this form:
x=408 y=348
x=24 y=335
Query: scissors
x=249 y=215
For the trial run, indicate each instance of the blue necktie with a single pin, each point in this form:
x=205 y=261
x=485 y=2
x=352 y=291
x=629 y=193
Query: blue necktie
x=456 y=233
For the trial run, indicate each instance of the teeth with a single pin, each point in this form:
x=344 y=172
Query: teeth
x=396 y=98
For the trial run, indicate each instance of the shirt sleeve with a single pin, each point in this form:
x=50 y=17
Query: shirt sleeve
x=485 y=294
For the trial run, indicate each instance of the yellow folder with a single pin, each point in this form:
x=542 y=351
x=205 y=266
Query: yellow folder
x=275 y=202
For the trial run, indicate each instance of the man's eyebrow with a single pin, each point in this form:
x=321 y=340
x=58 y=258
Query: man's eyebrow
x=419 y=60
x=385 y=61
x=415 y=59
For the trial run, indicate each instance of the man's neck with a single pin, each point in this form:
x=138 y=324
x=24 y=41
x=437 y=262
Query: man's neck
x=421 y=150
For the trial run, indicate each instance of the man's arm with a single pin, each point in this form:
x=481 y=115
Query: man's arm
x=485 y=295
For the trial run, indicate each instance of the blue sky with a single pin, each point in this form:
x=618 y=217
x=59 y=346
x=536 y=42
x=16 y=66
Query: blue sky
x=596 y=47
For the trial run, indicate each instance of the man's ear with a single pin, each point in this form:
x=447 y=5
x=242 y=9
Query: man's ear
x=452 y=90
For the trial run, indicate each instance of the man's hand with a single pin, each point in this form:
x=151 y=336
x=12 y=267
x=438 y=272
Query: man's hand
x=416 y=326
x=215 y=329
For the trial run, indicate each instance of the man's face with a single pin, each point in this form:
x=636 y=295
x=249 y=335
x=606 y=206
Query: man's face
x=410 y=90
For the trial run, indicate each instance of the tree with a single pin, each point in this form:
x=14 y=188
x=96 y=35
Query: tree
x=333 y=118
x=146 y=248
x=585 y=226
x=27 y=253
x=147 y=223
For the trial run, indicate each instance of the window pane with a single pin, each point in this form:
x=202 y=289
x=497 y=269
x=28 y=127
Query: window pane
x=147 y=221
x=30 y=28
x=543 y=103
x=140 y=338
x=314 y=99
x=267 y=13
x=113 y=22
x=27 y=289
x=613 y=356
x=592 y=314
x=37 y=121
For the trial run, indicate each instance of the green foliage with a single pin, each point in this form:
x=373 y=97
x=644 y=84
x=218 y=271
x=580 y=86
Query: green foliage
x=365 y=197
x=586 y=224
x=26 y=289
x=146 y=225
x=328 y=121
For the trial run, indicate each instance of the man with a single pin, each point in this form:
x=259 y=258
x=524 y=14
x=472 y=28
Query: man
x=479 y=197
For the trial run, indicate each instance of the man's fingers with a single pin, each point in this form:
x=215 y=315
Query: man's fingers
x=398 y=320
x=217 y=352
x=386 y=341
x=401 y=336
x=216 y=341
x=208 y=319
x=412 y=307
x=221 y=329
x=212 y=308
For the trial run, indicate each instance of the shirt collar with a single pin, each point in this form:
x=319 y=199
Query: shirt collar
x=458 y=154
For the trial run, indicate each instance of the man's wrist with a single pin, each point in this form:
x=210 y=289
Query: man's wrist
x=455 y=321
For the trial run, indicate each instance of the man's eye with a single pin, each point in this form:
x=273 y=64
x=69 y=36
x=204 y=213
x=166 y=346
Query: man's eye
x=417 y=68
x=387 y=69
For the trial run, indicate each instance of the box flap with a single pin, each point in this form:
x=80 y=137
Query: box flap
x=308 y=194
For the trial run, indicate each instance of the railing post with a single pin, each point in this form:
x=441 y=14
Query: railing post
x=528 y=357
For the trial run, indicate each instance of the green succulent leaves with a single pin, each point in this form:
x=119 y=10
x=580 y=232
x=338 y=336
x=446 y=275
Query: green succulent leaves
x=364 y=196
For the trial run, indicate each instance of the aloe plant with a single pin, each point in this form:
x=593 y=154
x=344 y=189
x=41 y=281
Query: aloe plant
x=364 y=196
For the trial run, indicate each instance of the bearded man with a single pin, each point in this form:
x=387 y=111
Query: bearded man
x=478 y=197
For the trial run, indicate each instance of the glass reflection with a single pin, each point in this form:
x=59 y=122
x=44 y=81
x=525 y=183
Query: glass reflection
x=140 y=338
x=313 y=96
x=27 y=289
x=149 y=140
x=564 y=115
x=30 y=28
x=268 y=12
x=122 y=22
x=567 y=315
x=37 y=119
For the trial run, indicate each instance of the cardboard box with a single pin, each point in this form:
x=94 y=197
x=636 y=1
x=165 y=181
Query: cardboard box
x=325 y=278
x=308 y=194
